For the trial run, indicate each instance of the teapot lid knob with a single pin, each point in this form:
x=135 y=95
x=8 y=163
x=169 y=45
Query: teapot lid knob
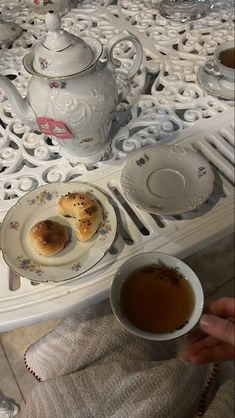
x=57 y=38
x=53 y=21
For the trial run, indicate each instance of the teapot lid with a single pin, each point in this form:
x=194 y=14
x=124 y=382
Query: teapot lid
x=61 y=54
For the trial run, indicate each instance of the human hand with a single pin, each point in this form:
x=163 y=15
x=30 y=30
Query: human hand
x=214 y=341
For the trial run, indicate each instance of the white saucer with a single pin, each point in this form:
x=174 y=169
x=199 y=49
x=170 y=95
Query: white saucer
x=216 y=85
x=167 y=180
x=183 y=11
x=9 y=32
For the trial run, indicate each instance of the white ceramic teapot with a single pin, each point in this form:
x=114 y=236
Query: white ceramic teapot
x=72 y=95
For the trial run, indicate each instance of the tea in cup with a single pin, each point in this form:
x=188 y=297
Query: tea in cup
x=156 y=296
x=223 y=62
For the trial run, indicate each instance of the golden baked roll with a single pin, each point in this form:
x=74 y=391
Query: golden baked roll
x=85 y=209
x=48 y=237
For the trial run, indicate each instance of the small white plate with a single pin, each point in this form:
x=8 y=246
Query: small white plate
x=167 y=180
x=77 y=257
x=216 y=85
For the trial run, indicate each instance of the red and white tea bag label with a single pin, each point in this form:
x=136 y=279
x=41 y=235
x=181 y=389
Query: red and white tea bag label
x=53 y=127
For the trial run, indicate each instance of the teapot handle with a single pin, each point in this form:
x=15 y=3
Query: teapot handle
x=139 y=52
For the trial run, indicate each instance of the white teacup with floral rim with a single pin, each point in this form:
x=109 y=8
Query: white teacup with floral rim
x=156 y=296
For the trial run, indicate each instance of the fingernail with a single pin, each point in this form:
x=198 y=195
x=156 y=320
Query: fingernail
x=206 y=320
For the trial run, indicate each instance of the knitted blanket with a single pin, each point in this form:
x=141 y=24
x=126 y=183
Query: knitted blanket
x=90 y=367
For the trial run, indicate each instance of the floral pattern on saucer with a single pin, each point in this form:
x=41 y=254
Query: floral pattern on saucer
x=143 y=160
x=201 y=172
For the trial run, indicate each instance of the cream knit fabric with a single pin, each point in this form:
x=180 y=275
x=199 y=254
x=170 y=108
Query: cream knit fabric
x=91 y=368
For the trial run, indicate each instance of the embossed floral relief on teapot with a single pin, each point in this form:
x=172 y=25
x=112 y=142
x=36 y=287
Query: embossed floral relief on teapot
x=72 y=94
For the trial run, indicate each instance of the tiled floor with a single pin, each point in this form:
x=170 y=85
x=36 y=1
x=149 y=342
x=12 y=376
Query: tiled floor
x=214 y=266
x=17 y=381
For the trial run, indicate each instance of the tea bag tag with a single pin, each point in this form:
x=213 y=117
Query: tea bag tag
x=53 y=127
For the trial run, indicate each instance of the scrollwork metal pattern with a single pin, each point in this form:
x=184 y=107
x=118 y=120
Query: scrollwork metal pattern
x=163 y=98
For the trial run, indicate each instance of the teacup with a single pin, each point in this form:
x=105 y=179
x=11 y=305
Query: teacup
x=218 y=66
x=156 y=296
x=41 y=7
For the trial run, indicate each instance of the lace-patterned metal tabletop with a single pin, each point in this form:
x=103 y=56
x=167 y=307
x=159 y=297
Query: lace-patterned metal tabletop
x=165 y=104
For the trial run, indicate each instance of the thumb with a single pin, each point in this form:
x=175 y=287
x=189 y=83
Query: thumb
x=222 y=329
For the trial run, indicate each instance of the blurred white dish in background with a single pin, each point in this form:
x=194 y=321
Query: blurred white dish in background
x=216 y=85
x=9 y=32
x=184 y=10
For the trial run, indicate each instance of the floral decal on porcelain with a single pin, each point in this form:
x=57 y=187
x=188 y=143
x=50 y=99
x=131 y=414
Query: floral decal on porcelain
x=76 y=266
x=14 y=225
x=29 y=265
x=105 y=227
x=201 y=172
x=43 y=63
x=55 y=84
x=43 y=198
x=44 y=2
x=143 y=160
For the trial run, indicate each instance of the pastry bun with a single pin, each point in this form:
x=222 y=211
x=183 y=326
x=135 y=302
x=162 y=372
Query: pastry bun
x=85 y=209
x=48 y=237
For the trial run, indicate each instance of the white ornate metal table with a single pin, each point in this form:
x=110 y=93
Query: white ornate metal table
x=165 y=104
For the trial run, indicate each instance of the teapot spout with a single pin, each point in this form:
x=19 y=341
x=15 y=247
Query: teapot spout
x=20 y=106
